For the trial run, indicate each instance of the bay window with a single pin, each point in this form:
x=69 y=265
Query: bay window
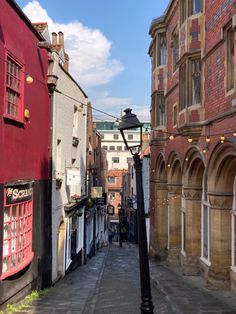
x=17 y=229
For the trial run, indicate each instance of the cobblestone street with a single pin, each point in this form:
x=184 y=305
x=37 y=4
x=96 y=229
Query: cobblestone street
x=109 y=284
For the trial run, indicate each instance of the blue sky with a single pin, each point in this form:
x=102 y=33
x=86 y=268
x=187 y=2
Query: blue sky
x=107 y=42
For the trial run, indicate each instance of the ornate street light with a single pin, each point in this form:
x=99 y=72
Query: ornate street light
x=129 y=122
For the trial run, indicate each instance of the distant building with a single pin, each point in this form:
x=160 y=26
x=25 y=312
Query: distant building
x=117 y=154
x=118 y=157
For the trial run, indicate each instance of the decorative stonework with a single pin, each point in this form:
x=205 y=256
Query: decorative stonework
x=175 y=188
x=192 y=193
x=221 y=201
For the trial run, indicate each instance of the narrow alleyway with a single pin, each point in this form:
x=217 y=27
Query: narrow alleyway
x=109 y=284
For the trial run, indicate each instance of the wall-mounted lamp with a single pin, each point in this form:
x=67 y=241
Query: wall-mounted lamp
x=26 y=114
x=29 y=79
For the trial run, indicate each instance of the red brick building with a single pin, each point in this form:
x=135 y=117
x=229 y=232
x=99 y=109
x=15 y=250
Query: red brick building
x=114 y=189
x=25 y=251
x=193 y=140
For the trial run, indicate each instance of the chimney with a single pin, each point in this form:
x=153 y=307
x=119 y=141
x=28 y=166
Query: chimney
x=61 y=40
x=54 y=39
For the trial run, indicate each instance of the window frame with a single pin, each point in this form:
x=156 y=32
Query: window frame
x=115 y=160
x=19 y=92
x=186 y=9
x=111 y=181
x=205 y=206
x=233 y=233
x=175 y=49
x=161 y=54
x=186 y=84
x=183 y=224
x=230 y=67
x=161 y=115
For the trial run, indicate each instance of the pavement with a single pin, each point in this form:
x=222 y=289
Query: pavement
x=109 y=284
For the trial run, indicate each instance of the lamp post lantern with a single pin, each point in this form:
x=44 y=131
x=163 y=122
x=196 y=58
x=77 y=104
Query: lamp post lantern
x=128 y=123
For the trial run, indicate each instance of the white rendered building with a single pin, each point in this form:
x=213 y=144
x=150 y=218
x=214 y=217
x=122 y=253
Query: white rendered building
x=68 y=163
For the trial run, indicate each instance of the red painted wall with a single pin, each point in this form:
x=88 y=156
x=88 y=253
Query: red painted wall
x=24 y=148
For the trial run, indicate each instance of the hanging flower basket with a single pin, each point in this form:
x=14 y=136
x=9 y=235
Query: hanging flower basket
x=75 y=198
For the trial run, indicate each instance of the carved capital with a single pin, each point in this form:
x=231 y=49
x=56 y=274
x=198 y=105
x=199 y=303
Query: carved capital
x=192 y=193
x=174 y=188
x=220 y=200
x=161 y=186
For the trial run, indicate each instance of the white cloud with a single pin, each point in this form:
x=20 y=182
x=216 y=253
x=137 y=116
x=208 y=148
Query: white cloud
x=89 y=50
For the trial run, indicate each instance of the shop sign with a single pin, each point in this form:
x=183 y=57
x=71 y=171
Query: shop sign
x=18 y=194
x=100 y=201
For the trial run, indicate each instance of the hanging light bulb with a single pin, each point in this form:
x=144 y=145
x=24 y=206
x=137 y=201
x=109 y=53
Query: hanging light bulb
x=234 y=134
x=190 y=140
x=204 y=150
x=117 y=122
x=208 y=139
x=186 y=159
x=222 y=139
x=168 y=165
x=171 y=137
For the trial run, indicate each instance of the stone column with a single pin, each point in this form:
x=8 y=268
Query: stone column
x=190 y=262
x=174 y=195
x=220 y=241
x=162 y=220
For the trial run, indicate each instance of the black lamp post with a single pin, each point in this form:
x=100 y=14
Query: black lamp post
x=120 y=225
x=130 y=122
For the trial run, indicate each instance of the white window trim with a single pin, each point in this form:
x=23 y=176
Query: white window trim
x=206 y=203
x=68 y=242
x=168 y=227
x=233 y=213
x=183 y=211
x=80 y=232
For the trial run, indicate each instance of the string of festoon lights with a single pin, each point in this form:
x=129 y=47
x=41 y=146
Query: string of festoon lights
x=170 y=136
